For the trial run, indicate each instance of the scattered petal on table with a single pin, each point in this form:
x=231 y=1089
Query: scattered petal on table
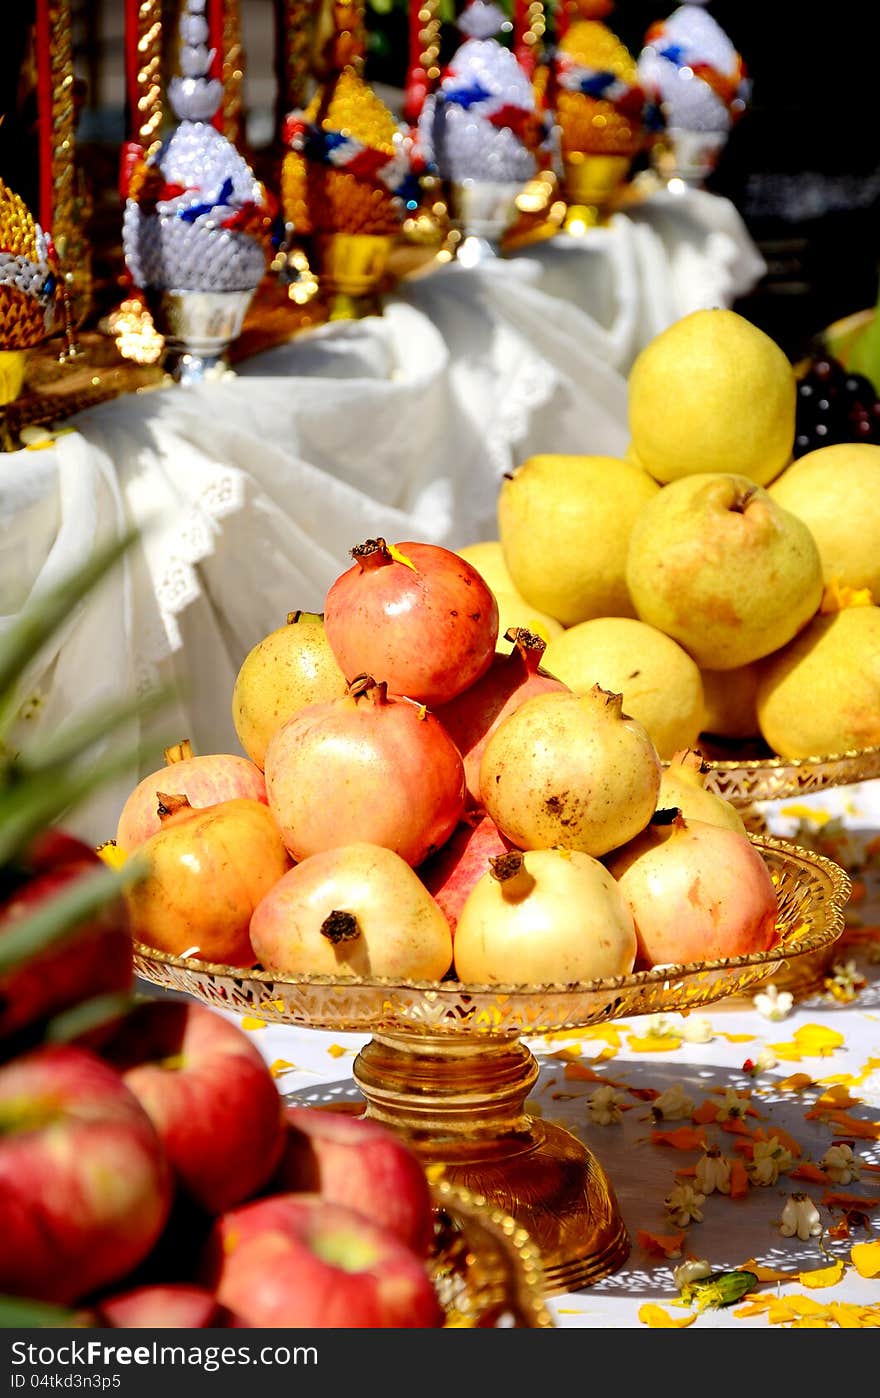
x=683 y=1138
x=653 y=1043
x=810 y=1041
x=865 y=1258
x=822 y=1276
x=248 y=1022
x=338 y=1050
x=841 y=1199
x=808 y=1171
x=656 y=1318
x=739 y=1180
x=797 y=1082
x=661 y=1244
x=767 y=1274
x=281 y=1066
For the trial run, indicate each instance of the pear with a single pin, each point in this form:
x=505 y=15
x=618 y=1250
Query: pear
x=718 y=564
x=712 y=392
x=513 y=609
x=836 y=492
x=291 y=667
x=683 y=786
x=730 y=701
x=564 y=524
x=820 y=694
x=659 y=682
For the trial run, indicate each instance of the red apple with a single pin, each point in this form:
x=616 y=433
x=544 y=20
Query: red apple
x=205 y=781
x=85 y=1188
x=95 y=959
x=451 y=873
x=168 y=1306
x=300 y=1261
x=209 y=1094
x=357 y=1162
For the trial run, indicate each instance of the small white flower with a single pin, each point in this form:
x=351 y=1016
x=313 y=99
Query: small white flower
x=683 y=1204
x=766 y=1060
x=769 y=1160
x=659 y=1027
x=690 y=1271
x=713 y=1172
x=800 y=1217
x=604 y=1106
x=672 y=1104
x=696 y=1029
x=840 y=1164
x=773 y=1003
x=734 y=1107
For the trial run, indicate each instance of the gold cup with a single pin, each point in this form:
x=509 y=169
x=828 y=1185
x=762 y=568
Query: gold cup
x=591 y=182
x=351 y=269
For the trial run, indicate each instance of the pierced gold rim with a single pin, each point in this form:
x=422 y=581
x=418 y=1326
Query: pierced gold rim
x=869 y=756
x=798 y=941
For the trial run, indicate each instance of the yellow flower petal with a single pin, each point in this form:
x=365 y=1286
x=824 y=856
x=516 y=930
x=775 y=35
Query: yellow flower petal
x=337 y=1050
x=767 y=1273
x=865 y=1258
x=248 y=1022
x=281 y=1065
x=653 y=1043
x=810 y=1041
x=657 y=1319
x=822 y=1276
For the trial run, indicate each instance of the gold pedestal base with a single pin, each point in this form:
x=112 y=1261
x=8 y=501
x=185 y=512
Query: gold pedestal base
x=590 y=185
x=351 y=269
x=461 y=1103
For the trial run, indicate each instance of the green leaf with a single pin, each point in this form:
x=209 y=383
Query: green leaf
x=81 y=1019
x=40 y=619
x=59 y=917
x=22 y=1313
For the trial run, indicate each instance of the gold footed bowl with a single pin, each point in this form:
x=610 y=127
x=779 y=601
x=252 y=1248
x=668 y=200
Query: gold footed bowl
x=447 y=1070
x=351 y=269
x=590 y=184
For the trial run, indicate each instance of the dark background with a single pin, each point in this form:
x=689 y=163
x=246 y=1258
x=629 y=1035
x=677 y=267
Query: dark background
x=802 y=166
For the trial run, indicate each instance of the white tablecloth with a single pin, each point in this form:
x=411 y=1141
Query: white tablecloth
x=252 y=489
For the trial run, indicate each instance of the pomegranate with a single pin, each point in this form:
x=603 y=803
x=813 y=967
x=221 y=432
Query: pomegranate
x=204 y=780
x=572 y=770
x=416 y=616
x=369 y=766
x=683 y=785
x=450 y=874
x=94 y=959
x=472 y=717
x=697 y=892
x=208 y=870
x=289 y=668
x=356 y=910
x=543 y=917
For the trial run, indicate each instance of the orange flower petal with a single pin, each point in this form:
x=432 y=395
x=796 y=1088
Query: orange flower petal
x=706 y=1112
x=841 y=1199
x=767 y=1273
x=660 y=1244
x=795 y=1083
x=657 y=1319
x=739 y=1180
x=865 y=1258
x=584 y=1074
x=653 y=1043
x=822 y=1276
x=685 y=1138
x=809 y=1172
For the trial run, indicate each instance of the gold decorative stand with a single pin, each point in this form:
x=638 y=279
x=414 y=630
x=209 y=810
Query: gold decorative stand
x=462 y=1103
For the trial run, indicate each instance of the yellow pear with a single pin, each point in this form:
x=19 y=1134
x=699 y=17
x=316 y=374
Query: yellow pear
x=712 y=393
x=659 y=682
x=683 y=785
x=564 y=523
x=820 y=694
x=513 y=609
x=730 y=701
x=836 y=492
x=717 y=564
x=289 y=668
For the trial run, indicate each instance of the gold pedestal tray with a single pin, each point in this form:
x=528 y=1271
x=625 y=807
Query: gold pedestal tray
x=745 y=780
x=447 y=1070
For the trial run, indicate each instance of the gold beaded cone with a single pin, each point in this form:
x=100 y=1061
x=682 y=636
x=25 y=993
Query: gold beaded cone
x=590 y=125
x=317 y=198
x=25 y=306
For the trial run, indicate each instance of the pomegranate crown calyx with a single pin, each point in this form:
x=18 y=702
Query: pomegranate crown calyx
x=169 y=805
x=373 y=553
x=365 y=685
x=607 y=699
x=692 y=760
x=669 y=815
x=525 y=641
x=339 y=927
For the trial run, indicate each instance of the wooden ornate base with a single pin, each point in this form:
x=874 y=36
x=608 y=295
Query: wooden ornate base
x=462 y=1103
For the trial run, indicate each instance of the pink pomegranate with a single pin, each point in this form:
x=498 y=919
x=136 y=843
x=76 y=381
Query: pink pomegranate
x=416 y=616
x=450 y=874
x=368 y=767
x=697 y=892
x=472 y=717
x=204 y=781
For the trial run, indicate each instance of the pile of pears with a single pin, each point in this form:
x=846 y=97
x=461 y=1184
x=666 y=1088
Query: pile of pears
x=726 y=590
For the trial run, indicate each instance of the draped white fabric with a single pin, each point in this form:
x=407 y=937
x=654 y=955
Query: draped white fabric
x=252 y=488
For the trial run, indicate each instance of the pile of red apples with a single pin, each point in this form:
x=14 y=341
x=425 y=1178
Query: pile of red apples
x=150 y=1172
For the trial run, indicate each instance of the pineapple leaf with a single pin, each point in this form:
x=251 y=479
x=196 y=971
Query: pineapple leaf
x=40 y=620
x=60 y=916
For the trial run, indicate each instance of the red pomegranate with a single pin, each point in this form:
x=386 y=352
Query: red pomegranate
x=368 y=767
x=416 y=616
x=450 y=874
x=472 y=717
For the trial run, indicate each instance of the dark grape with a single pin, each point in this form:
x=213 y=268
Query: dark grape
x=858 y=387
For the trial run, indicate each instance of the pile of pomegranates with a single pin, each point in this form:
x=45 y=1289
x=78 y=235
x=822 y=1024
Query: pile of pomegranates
x=421 y=799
